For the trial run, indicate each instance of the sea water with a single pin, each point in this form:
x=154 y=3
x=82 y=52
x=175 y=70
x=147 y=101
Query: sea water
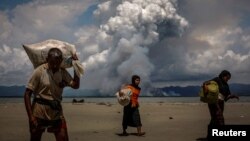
x=114 y=100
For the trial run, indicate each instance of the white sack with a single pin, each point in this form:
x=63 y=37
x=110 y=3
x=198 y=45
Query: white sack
x=38 y=53
x=125 y=99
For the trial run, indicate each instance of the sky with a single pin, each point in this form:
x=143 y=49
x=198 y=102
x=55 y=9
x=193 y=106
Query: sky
x=166 y=42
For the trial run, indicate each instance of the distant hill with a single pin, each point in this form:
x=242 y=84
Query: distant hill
x=192 y=91
x=189 y=91
x=12 y=91
x=18 y=91
x=240 y=89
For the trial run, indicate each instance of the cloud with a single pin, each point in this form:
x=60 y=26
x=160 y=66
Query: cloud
x=199 y=57
x=164 y=41
x=226 y=51
x=33 y=22
x=127 y=30
x=13 y=65
x=38 y=20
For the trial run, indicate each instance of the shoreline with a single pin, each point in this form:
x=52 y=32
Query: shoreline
x=113 y=100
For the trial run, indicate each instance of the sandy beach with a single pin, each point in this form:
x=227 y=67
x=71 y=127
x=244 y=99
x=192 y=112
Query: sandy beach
x=101 y=121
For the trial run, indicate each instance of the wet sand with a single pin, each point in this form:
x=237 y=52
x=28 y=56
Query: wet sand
x=101 y=121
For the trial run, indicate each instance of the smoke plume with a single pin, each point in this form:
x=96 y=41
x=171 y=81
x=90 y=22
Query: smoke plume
x=120 y=45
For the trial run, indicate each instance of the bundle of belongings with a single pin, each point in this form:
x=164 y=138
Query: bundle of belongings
x=209 y=92
x=38 y=52
x=123 y=96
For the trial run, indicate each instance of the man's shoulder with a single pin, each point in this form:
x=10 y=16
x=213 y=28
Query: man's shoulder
x=40 y=68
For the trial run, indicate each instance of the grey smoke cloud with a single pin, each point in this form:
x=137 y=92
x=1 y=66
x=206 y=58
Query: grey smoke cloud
x=127 y=30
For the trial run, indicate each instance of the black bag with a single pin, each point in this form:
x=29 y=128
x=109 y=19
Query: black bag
x=54 y=104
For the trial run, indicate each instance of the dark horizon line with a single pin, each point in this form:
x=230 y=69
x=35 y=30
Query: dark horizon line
x=155 y=87
x=108 y=96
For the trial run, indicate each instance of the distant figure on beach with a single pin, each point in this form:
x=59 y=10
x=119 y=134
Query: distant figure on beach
x=46 y=84
x=131 y=115
x=216 y=109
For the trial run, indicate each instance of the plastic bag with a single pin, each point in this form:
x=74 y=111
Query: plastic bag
x=210 y=93
x=38 y=53
x=125 y=98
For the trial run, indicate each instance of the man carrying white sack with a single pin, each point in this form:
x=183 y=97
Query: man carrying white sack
x=38 y=52
x=46 y=84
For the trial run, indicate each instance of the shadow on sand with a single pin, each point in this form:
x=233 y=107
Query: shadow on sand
x=202 y=139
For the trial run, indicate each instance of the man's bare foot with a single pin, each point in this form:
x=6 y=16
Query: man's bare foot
x=123 y=134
